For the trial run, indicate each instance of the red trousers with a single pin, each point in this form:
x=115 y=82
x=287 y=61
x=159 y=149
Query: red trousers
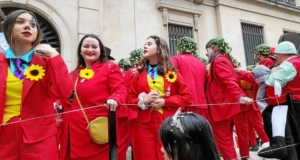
x=123 y=137
x=223 y=131
x=255 y=122
x=12 y=146
x=132 y=135
x=147 y=142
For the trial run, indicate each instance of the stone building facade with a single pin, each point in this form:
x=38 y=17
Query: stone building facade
x=124 y=25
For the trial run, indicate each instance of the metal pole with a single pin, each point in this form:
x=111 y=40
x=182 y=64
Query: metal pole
x=112 y=136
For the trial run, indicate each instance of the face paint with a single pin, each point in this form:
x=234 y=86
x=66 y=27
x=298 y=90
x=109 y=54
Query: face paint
x=32 y=25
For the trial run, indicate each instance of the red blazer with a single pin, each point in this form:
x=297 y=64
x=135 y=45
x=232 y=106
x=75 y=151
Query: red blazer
x=291 y=87
x=127 y=80
x=180 y=95
x=38 y=96
x=222 y=87
x=194 y=73
x=107 y=83
x=268 y=62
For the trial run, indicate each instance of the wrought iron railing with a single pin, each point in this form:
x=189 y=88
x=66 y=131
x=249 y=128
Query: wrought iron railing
x=287 y=2
x=252 y=36
x=175 y=33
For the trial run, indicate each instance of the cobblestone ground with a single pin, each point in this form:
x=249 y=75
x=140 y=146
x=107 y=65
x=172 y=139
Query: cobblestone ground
x=253 y=155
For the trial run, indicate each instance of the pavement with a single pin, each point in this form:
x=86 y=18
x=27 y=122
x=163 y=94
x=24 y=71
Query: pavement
x=253 y=155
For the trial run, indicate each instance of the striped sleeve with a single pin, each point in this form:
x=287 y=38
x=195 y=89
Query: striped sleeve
x=285 y=72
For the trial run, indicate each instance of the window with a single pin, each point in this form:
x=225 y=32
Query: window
x=252 y=36
x=175 y=33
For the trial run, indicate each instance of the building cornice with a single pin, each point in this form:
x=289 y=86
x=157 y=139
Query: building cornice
x=178 y=8
x=277 y=4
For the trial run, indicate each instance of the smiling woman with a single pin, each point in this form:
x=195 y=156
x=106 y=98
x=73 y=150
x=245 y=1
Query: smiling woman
x=97 y=81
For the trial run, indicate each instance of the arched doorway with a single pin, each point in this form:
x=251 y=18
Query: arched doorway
x=50 y=35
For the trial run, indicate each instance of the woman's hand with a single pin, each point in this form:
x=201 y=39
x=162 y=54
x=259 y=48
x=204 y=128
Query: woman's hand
x=150 y=97
x=158 y=103
x=46 y=49
x=111 y=104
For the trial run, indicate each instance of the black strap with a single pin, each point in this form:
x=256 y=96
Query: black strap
x=293 y=119
x=113 y=136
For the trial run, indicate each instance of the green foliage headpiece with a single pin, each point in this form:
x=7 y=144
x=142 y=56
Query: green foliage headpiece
x=262 y=49
x=124 y=62
x=220 y=43
x=135 y=56
x=187 y=45
x=250 y=67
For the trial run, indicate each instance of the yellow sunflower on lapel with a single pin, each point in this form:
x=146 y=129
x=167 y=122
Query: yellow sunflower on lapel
x=171 y=76
x=86 y=73
x=34 y=72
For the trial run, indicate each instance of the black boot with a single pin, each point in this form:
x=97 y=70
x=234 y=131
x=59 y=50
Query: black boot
x=273 y=151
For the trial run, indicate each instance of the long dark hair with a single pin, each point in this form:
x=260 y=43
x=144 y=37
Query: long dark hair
x=10 y=22
x=80 y=60
x=195 y=143
x=164 y=62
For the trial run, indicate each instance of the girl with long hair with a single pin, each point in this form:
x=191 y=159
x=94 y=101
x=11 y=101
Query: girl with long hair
x=29 y=85
x=156 y=91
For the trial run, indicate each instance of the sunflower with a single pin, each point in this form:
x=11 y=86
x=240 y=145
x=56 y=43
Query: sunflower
x=171 y=76
x=34 y=72
x=86 y=73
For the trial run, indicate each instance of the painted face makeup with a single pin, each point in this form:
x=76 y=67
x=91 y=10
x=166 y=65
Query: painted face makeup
x=32 y=25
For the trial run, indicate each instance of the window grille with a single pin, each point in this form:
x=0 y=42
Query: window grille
x=175 y=33
x=252 y=36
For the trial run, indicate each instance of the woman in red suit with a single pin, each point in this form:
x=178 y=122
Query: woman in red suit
x=97 y=82
x=158 y=90
x=29 y=83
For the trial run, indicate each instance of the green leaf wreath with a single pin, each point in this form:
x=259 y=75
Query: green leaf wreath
x=124 y=62
x=262 y=49
x=135 y=56
x=220 y=43
x=188 y=45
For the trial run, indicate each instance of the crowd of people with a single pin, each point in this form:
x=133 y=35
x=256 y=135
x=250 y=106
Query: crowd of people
x=172 y=108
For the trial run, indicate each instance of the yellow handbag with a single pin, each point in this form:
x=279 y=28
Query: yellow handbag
x=98 y=128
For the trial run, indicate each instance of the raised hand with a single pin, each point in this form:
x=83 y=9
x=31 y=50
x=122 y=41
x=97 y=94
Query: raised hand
x=46 y=49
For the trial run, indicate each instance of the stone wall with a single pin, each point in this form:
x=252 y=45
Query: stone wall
x=124 y=25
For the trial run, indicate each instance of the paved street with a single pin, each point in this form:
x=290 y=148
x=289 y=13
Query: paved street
x=253 y=155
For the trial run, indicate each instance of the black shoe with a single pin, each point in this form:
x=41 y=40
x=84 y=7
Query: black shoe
x=276 y=150
x=254 y=148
